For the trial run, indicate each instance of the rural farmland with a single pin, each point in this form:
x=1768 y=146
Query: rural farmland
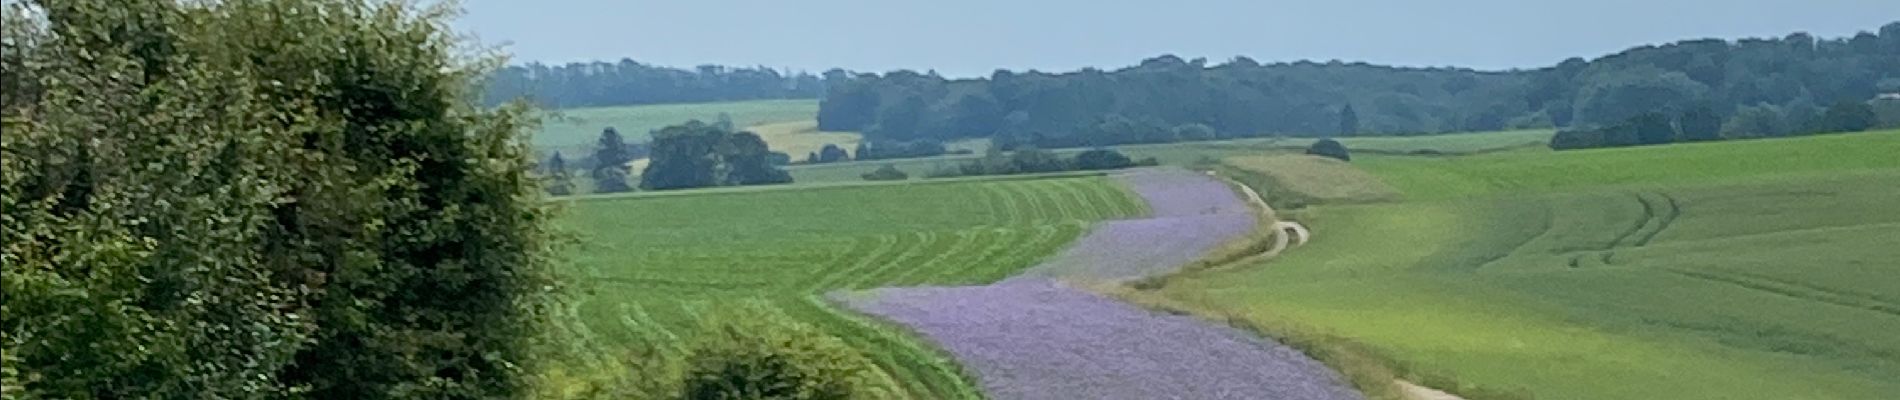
x=601 y=200
x=1757 y=269
x=658 y=261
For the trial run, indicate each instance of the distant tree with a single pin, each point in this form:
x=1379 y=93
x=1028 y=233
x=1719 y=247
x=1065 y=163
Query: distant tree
x=1700 y=124
x=1889 y=112
x=887 y=172
x=560 y=181
x=811 y=158
x=1652 y=128
x=1329 y=148
x=696 y=154
x=779 y=158
x=610 y=163
x=1348 y=121
x=1102 y=159
x=832 y=153
x=1570 y=139
x=746 y=160
x=1846 y=116
x=1623 y=94
x=863 y=151
x=1754 y=122
x=1801 y=116
x=724 y=122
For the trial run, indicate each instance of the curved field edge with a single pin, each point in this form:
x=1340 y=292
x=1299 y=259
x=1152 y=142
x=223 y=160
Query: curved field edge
x=1372 y=373
x=1177 y=196
x=1441 y=221
x=656 y=261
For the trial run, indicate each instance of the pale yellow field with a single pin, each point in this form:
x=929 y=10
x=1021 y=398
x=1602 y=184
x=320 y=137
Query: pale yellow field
x=799 y=138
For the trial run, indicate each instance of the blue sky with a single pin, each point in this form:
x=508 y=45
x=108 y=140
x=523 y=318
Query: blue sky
x=974 y=37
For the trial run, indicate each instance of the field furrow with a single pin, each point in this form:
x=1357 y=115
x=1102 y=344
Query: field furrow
x=675 y=260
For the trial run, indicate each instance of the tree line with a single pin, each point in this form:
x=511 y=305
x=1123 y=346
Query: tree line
x=627 y=82
x=1166 y=98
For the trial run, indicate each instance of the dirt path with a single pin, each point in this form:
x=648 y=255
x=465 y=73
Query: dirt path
x=1035 y=337
x=1415 y=392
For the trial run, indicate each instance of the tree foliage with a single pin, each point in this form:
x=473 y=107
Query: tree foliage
x=1329 y=148
x=560 y=180
x=610 y=169
x=887 y=172
x=831 y=153
x=1846 y=116
x=1242 y=98
x=746 y=354
x=627 y=82
x=1102 y=159
x=262 y=199
x=695 y=155
x=1349 y=119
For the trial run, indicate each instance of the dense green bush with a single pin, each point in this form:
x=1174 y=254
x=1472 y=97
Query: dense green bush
x=745 y=354
x=1329 y=148
x=1100 y=159
x=886 y=173
x=261 y=199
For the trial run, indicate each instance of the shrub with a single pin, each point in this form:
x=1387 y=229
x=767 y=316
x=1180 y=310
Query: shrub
x=754 y=354
x=886 y=173
x=1329 y=148
x=1101 y=159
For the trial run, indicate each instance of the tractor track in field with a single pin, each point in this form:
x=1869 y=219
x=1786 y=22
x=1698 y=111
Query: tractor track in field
x=1036 y=336
x=1660 y=210
x=1792 y=290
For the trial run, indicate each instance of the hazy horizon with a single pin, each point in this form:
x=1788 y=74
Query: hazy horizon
x=973 y=38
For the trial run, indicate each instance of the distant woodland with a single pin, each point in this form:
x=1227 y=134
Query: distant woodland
x=1789 y=80
x=595 y=84
x=1731 y=88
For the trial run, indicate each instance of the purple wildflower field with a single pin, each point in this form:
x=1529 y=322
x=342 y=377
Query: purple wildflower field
x=1037 y=339
x=1032 y=337
x=1192 y=214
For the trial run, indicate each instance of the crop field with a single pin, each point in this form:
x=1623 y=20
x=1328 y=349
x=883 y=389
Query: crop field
x=801 y=138
x=1736 y=270
x=657 y=260
x=577 y=128
x=1207 y=152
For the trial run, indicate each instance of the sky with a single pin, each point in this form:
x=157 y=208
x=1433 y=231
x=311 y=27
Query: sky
x=967 y=38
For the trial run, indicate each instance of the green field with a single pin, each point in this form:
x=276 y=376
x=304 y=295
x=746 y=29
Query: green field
x=577 y=128
x=1735 y=270
x=658 y=260
x=1194 y=153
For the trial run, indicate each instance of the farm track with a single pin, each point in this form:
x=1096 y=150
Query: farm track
x=1659 y=211
x=1792 y=290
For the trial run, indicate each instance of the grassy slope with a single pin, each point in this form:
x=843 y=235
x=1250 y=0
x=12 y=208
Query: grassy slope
x=1733 y=270
x=659 y=260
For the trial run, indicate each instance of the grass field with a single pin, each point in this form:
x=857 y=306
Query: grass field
x=577 y=128
x=658 y=260
x=1194 y=153
x=1735 y=270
